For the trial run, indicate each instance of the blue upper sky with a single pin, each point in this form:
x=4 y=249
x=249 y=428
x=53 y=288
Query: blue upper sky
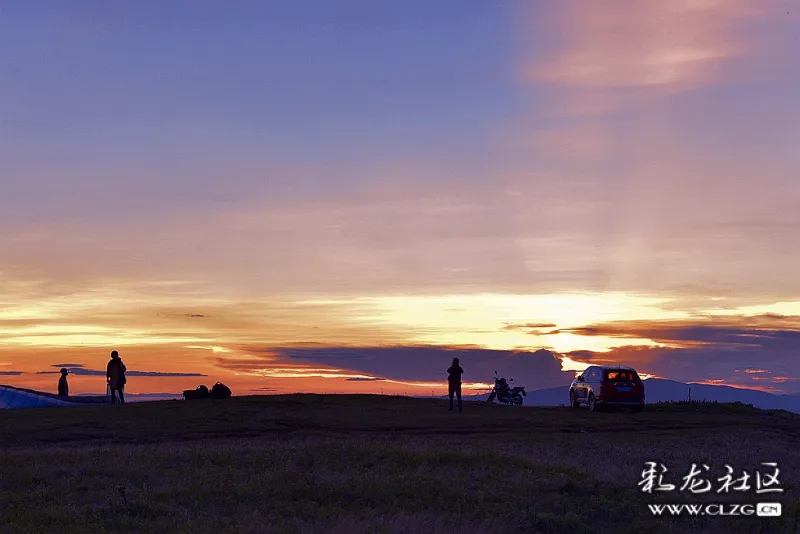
x=105 y=92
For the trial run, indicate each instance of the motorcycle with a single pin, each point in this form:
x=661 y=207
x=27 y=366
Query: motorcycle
x=504 y=393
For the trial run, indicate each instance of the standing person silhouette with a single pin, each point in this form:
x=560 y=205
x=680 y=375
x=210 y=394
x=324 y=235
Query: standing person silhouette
x=115 y=375
x=63 y=387
x=454 y=383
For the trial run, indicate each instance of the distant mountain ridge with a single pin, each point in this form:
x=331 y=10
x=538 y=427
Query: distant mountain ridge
x=662 y=390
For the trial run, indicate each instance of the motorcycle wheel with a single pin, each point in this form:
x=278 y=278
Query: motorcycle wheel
x=492 y=395
x=516 y=400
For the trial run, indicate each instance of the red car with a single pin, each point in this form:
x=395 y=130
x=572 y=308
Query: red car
x=605 y=386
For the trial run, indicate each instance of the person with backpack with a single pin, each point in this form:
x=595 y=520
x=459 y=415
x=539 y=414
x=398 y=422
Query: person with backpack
x=454 y=373
x=115 y=375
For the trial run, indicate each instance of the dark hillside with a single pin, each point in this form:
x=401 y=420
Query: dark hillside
x=315 y=463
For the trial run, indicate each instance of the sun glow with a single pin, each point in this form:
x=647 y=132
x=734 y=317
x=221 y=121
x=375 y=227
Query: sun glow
x=507 y=322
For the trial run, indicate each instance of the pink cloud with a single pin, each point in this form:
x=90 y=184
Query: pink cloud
x=626 y=44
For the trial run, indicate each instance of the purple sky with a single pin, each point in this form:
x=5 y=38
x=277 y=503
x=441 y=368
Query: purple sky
x=361 y=173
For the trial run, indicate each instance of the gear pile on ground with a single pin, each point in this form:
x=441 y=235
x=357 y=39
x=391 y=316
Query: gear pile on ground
x=218 y=391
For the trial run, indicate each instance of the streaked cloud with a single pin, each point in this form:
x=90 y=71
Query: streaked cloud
x=622 y=44
x=80 y=371
x=765 y=331
x=366 y=379
x=743 y=351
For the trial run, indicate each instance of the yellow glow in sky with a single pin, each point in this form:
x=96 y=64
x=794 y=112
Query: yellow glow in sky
x=488 y=320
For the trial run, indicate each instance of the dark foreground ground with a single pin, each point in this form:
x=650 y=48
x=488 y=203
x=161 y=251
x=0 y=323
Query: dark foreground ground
x=306 y=463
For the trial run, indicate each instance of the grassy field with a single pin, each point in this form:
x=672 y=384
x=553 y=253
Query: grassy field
x=312 y=463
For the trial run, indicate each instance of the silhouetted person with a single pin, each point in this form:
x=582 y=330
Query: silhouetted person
x=63 y=387
x=115 y=374
x=454 y=383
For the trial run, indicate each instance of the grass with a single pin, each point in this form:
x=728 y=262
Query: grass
x=361 y=463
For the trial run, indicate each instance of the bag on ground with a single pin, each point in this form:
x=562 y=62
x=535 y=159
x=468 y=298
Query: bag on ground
x=201 y=392
x=220 y=391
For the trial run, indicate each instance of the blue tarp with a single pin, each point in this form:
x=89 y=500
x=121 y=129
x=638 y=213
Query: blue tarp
x=11 y=397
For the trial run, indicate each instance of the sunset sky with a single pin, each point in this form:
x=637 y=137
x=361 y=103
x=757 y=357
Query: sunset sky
x=336 y=196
